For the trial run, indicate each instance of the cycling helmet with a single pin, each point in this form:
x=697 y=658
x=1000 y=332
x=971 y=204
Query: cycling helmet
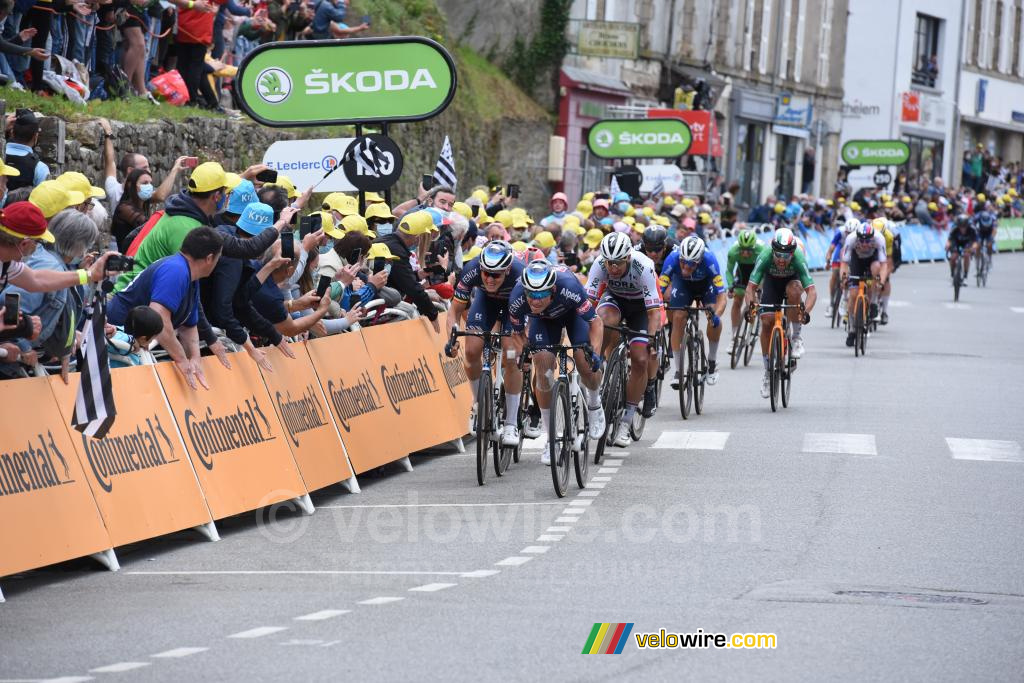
x=766 y=227
x=616 y=246
x=535 y=254
x=655 y=237
x=866 y=232
x=784 y=241
x=851 y=226
x=986 y=220
x=539 y=276
x=962 y=221
x=496 y=257
x=747 y=239
x=691 y=249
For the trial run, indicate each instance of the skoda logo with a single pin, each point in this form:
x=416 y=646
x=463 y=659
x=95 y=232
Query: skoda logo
x=273 y=85
x=603 y=138
x=853 y=152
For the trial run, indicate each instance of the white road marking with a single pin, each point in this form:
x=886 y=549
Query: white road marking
x=535 y=549
x=957 y=305
x=322 y=614
x=258 y=632
x=573 y=511
x=692 y=441
x=596 y=485
x=180 y=652
x=608 y=470
x=286 y=572
x=581 y=503
x=383 y=600
x=480 y=573
x=118 y=668
x=513 y=561
x=850 y=444
x=560 y=529
x=67 y=679
x=534 y=444
x=612 y=463
x=985 y=449
x=600 y=479
x=550 y=538
x=435 y=505
x=432 y=587
x=1015 y=309
x=566 y=520
x=588 y=493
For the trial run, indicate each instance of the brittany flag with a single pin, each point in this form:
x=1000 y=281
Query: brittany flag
x=607 y=639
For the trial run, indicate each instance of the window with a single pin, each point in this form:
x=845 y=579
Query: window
x=998 y=39
x=976 y=32
x=1015 y=69
x=926 y=51
x=925 y=157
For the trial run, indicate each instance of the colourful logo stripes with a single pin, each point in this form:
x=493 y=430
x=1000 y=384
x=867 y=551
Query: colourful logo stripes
x=607 y=639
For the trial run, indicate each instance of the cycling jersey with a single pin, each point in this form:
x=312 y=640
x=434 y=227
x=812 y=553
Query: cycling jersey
x=837 y=247
x=570 y=310
x=659 y=262
x=963 y=238
x=775 y=278
x=704 y=283
x=865 y=251
x=471 y=277
x=638 y=284
x=984 y=232
x=745 y=259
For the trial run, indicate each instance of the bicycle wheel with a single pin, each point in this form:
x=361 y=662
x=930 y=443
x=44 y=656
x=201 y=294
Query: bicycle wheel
x=484 y=424
x=526 y=401
x=611 y=396
x=685 y=388
x=775 y=368
x=561 y=435
x=502 y=454
x=700 y=374
x=957 y=279
x=581 y=453
x=755 y=335
x=837 y=298
x=859 y=321
x=739 y=343
x=786 y=379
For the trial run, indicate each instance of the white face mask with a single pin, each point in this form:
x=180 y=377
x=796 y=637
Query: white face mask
x=384 y=229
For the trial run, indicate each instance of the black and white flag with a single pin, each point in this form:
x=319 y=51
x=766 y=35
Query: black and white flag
x=659 y=189
x=94 y=406
x=369 y=157
x=444 y=172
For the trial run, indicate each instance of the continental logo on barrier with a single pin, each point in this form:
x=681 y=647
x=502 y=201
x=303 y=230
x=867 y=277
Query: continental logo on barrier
x=112 y=456
x=406 y=385
x=454 y=372
x=351 y=402
x=301 y=415
x=33 y=469
x=215 y=434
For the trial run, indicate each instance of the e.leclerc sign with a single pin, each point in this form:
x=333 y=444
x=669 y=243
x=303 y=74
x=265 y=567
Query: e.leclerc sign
x=639 y=138
x=875 y=153
x=330 y=82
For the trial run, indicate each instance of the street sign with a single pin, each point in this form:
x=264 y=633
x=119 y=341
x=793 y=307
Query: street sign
x=373 y=163
x=357 y=80
x=875 y=153
x=608 y=39
x=639 y=138
x=670 y=175
x=306 y=161
x=882 y=178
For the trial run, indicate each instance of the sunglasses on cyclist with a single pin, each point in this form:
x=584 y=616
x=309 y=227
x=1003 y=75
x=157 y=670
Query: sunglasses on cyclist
x=539 y=295
x=618 y=264
x=689 y=264
x=782 y=255
x=492 y=275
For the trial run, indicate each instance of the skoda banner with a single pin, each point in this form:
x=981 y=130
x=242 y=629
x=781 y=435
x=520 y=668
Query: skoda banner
x=306 y=161
x=331 y=82
x=875 y=153
x=639 y=138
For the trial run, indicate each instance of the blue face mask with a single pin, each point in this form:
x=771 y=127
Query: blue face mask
x=221 y=202
x=623 y=207
x=146 y=191
x=324 y=248
x=384 y=229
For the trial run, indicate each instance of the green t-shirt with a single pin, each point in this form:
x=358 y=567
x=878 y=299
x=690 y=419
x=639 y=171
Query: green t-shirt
x=797 y=266
x=744 y=257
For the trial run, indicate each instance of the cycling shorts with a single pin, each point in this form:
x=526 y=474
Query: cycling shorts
x=742 y=276
x=487 y=311
x=633 y=312
x=861 y=267
x=702 y=291
x=548 y=331
x=773 y=289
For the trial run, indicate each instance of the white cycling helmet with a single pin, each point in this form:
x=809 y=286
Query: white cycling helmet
x=691 y=249
x=539 y=276
x=851 y=226
x=616 y=247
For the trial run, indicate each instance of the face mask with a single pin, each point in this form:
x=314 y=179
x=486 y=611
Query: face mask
x=3 y=201
x=324 y=248
x=384 y=229
x=146 y=191
x=221 y=202
x=623 y=207
x=558 y=214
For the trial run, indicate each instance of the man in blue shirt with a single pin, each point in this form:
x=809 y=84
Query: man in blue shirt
x=170 y=287
x=329 y=18
x=21 y=153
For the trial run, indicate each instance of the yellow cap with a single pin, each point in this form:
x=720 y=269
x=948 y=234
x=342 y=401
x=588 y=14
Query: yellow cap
x=505 y=218
x=629 y=220
x=379 y=210
x=1012 y=192
x=570 y=219
x=585 y=207
x=668 y=201
x=593 y=238
x=328 y=225
x=981 y=196
x=889 y=205
x=417 y=223
x=878 y=224
x=841 y=200
x=886 y=197
x=344 y=204
x=829 y=202
x=932 y=206
x=519 y=219
x=544 y=239
x=472 y=254
x=8 y=170
x=285 y=182
x=639 y=227
x=379 y=250
x=705 y=218
x=372 y=198
x=480 y=195
x=648 y=211
x=51 y=197
x=855 y=206
x=233 y=180
x=356 y=223
x=588 y=197
x=575 y=228
x=75 y=181
x=520 y=246
x=1006 y=197
x=462 y=209
x=779 y=207
x=663 y=221
x=688 y=203
x=630 y=210
x=481 y=217
x=905 y=199
x=207 y=177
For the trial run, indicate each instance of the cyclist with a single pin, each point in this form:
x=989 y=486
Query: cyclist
x=694 y=274
x=985 y=225
x=782 y=273
x=834 y=257
x=863 y=255
x=741 y=259
x=656 y=244
x=556 y=302
x=488 y=280
x=882 y=225
x=962 y=240
x=631 y=295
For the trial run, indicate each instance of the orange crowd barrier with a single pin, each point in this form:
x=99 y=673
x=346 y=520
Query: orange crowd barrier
x=233 y=436
x=48 y=510
x=306 y=418
x=139 y=473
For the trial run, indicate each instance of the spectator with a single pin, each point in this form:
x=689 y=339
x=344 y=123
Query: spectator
x=269 y=299
x=134 y=208
x=5 y=173
x=20 y=152
x=133 y=48
x=402 y=276
x=126 y=165
x=170 y=286
x=193 y=39
x=808 y=170
x=16 y=45
x=329 y=21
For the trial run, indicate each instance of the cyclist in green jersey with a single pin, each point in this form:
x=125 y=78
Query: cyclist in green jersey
x=741 y=259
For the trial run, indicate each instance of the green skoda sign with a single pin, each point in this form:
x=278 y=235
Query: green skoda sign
x=312 y=83
x=639 y=138
x=875 y=153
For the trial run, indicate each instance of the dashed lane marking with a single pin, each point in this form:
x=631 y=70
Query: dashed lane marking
x=179 y=652
x=600 y=479
x=581 y=503
x=612 y=463
x=560 y=529
x=120 y=667
x=596 y=485
x=848 y=444
x=286 y=572
x=957 y=306
x=480 y=573
x=435 y=505
x=535 y=549
x=1017 y=309
x=431 y=587
x=608 y=470
x=692 y=441
x=383 y=600
x=566 y=520
x=323 y=614
x=550 y=537
x=513 y=561
x=985 y=449
x=573 y=511
x=588 y=493
x=258 y=632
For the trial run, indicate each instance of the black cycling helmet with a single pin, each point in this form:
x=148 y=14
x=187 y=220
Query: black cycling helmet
x=655 y=237
x=962 y=221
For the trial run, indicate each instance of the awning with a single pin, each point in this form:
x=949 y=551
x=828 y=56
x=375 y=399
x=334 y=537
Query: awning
x=590 y=80
x=975 y=121
x=792 y=132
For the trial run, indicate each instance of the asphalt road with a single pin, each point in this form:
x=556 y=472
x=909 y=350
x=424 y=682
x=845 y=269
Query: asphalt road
x=847 y=525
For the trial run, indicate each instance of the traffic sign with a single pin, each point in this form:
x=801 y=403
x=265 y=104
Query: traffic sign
x=882 y=178
x=875 y=153
x=639 y=138
x=372 y=163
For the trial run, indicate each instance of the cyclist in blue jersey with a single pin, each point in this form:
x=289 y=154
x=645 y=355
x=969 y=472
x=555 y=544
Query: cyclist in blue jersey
x=985 y=225
x=555 y=302
x=488 y=280
x=694 y=275
x=834 y=257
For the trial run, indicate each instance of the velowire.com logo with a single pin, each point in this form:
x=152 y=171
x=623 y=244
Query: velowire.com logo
x=607 y=639
x=273 y=85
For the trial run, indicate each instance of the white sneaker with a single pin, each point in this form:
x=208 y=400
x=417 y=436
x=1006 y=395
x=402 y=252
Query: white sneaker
x=545 y=456
x=712 y=378
x=798 y=347
x=765 y=386
x=597 y=425
x=510 y=436
x=472 y=420
x=531 y=430
x=622 y=437
x=828 y=310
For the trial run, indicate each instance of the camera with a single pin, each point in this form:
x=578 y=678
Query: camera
x=120 y=263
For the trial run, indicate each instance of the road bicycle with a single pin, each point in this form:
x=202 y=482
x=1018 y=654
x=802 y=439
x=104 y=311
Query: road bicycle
x=958 y=274
x=695 y=364
x=568 y=422
x=781 y=364
x=613 y=392
x=744 y=341
x=983 y=264
x=857 y=321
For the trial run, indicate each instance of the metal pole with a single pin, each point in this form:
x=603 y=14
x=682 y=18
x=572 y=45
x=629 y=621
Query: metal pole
x=387 y=192
x=362 y=195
